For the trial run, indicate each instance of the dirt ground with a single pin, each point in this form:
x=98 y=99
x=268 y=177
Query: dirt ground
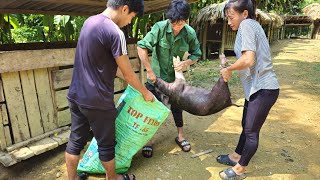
x=289 y=144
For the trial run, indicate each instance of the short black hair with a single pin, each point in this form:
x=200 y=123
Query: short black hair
x=178 y=10
x=136 y=6
x=240 y=6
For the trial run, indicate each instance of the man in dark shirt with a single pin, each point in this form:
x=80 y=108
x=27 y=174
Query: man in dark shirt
x=100 y=50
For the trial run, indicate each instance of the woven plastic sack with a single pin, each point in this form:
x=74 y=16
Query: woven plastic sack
x=136 y=123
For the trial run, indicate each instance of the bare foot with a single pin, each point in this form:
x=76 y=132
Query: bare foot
x=234 y=157
x=183 y=144
x=237 y=169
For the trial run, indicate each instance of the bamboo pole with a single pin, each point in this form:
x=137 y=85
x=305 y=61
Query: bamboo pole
x=223 y=41
x=204 y=42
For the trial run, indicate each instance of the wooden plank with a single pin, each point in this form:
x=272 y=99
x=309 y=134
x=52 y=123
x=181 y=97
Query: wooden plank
x=62 y=137
x=1 y=92
x=202 y=153
x=119 y=84
x=7 y=135
x=64 y=117
x=60 y=99
x=3 y=143
x=61 y=78
x=35 y=139
x=7 y=159
x=27 y=11
x=132 y=50
x=223 y=41
x=51 y=87
x=22 y=154
x=135 y=64
x=77 y=2
x=142 y=73
x=13 y=61
x=4 y=114
x=204 y=42
x=16 y=107
x=4 y=3
x=143 y=77
x=305 y=24
x=49 y=121
x=43 y=145
x=31 y=100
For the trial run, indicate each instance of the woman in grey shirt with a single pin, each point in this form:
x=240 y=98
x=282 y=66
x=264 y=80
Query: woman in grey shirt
x=259 y=82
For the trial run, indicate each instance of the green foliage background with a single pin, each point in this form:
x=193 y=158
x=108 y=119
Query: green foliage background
x=24 y=28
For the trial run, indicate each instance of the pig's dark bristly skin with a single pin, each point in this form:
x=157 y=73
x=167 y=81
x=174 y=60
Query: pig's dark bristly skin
x=197 y=101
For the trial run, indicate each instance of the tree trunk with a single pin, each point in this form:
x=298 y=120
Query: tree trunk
x=284 y=6
x=266 y=5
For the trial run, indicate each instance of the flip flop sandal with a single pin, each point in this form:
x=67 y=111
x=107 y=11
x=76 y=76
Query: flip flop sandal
x=231 y=175
x=224 y=159
x=127 y=177
x=147 y=151
x=82 y=175
x=183 y=144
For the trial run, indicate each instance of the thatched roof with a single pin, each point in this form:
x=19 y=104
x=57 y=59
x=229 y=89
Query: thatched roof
x=209 y=14
x=263 y=17
x=277 y=21
x=213 y=12
x=70 y=7
x=312 y=10
x=297 y=19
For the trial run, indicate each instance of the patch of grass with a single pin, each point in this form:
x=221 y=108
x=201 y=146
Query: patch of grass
x=309 y=72
x=205 y=73
x=316 y=74
x=317 y=67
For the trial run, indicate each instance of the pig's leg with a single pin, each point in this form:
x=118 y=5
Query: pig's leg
x=178 y=74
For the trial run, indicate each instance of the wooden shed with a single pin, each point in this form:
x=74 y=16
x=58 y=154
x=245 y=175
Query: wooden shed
x=214 y=32
x=313 y=10
x=34 y=114
x=34 y=81
x=294 y=25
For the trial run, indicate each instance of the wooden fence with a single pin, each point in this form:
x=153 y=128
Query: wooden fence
x=34 y=113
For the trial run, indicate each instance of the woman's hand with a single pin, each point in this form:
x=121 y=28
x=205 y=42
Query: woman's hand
x=223 y=61
x=151 y=76
x=226 y=74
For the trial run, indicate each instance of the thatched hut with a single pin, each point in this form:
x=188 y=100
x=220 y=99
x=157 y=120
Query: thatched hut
x=212 y=28
x=313 y=10
x=214 y=31
x=277 y=24
x=266 y=22
x=296 y=26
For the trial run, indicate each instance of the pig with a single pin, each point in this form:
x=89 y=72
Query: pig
x=195 y=100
